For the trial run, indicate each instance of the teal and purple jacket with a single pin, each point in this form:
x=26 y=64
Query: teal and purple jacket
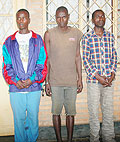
x=12 y=68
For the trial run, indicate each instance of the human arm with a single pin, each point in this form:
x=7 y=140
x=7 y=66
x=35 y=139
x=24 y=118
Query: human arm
x=47 y=83
x=113 y=60
x=40 y=69
x=79 y=68
x=8 y=72
x=89 y=65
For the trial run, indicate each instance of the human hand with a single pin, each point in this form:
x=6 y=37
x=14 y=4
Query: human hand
x=20 y=85
x=103 y=80
x=111 y=78
x=79 y=86
x=107 y=80
x=27 y=83
x=48 y=89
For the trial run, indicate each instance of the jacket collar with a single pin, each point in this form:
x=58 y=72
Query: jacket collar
x=34 y=35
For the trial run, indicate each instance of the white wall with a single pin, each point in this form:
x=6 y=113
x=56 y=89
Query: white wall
x=6 y=117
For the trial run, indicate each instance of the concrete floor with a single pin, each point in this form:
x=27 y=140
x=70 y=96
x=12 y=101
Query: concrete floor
x=81 y=134
x=11 y=139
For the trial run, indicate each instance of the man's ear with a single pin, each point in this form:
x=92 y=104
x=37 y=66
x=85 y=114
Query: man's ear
x=68 y=16
x=92 y=21
x=29 y=20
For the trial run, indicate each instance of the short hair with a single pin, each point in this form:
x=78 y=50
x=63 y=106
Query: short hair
x=23 y=10
x=61 y=8
x=93 y=14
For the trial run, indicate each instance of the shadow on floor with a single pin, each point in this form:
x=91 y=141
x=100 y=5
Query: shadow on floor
x=11 y=139
x=81 y=134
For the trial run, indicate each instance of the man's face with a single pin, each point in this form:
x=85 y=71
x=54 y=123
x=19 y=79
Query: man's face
x=62 y=18
x=99 y=19
x=22 y=20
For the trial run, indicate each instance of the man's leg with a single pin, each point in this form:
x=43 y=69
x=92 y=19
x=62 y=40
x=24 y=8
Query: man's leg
x=57 y=104
x=70 y=126
x=18 y=104
x=93 y=93
x=70 y=109
x=57 y=127
x=32 y=129
x=108 y=134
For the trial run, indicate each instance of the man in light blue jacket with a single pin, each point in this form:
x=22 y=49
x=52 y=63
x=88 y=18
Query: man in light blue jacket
x=24 y=69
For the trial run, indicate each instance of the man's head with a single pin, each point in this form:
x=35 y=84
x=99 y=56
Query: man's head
x=98 y=18
x=22 y=19
x=62 y=17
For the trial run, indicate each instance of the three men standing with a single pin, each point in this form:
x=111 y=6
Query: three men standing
x=24 y=72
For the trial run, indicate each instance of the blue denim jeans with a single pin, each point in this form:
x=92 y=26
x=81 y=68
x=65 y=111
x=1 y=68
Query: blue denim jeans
x=25 y=108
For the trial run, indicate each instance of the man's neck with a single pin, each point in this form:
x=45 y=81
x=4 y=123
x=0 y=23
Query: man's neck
x=99 y=31
x=24 y=31
x=64 y=29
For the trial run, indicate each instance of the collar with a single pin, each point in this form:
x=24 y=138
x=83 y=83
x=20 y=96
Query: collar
x=34 y=35
x=94 y=34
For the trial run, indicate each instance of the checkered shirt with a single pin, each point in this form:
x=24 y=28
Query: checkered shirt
x=99 y=55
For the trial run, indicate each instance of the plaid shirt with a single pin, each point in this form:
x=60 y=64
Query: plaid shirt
x=99 y=55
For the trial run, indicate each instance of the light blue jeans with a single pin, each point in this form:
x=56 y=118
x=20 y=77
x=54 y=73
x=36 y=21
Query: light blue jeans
x=25 y=108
